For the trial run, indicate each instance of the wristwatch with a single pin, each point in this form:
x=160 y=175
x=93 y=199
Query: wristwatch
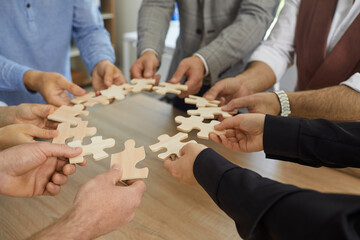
x=284 y=103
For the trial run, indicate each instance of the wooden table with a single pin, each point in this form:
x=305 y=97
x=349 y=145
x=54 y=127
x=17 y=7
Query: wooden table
x=168 y=210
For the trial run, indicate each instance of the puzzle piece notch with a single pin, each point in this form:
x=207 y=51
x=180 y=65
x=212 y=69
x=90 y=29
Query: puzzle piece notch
x=78 y=133
x=164 y=88
x=89 y=100
x=128 y=159
x=117 y=92
x=139 y=85
x=201 y=101
x=209 y=112
x=68 y=114
x=172 y=144
x=95 y=148
x=196 y=122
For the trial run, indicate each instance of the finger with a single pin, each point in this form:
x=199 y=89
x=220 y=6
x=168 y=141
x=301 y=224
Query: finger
x=138 y=185
x=69 y=169
x=52 y=189
x=71 y=87
x=58 y=150
x=136 y=71
x=43 y=133
x=215 y=138
x=179 y=74
x=59 y=179
x=215 y=91
x=83 y=163
x=109 y=75
x=168 y=165
x=236 y=103
x=60 y=164
x=228 y=123
x=114 y=174
x=119 y=78
x=42 y=110
x=157 y=79
x=149 y=69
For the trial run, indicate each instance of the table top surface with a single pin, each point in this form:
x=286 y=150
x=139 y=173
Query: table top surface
x=169 y=210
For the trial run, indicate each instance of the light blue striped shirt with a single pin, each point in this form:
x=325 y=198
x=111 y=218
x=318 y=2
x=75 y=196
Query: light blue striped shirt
x=36 y=35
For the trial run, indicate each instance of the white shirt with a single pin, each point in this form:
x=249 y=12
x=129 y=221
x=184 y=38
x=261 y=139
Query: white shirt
x=278 y=50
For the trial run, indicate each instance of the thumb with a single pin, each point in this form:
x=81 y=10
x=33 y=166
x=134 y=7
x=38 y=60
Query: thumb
x=149 y=69
x=42 y=110
x=114 y=174
x=42 y=132
x=214 y=92
x=179 y=74
x=71 y=87
x=109 y=75
x=58 y=150
x=236 y=103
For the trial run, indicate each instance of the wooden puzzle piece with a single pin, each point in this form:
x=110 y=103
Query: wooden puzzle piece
x=196 y=122
x=68 y=114
x=128 y=159
x=139 y=85
x=164 y=88
x=95 y=148
x=172 y=144
x=89 y=100
x=78 y=133
x=117 y=92
x=201 y=102
x=209 y=112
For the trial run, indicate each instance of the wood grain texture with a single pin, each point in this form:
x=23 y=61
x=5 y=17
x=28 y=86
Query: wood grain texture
x=169 y=210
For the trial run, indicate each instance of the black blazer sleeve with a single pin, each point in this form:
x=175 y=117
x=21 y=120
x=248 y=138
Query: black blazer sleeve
x=312 y=142
x=266 y=209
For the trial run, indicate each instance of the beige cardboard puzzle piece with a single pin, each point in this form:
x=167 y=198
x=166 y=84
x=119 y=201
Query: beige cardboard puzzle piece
x=164 y=88
x=89 y=100
x=65 y=131
x=128 y=159
x=117 y=92
x=209 y=112
x=172 y=144
x=201 y=102
x=68 y=114
x=95 y=148
x=139 y=85
x=196 y=122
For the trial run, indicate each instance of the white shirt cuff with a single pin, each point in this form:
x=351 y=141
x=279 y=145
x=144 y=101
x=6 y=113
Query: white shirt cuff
x=151 y=50
x=204 y=62
x=2 y=104
x=353 y=82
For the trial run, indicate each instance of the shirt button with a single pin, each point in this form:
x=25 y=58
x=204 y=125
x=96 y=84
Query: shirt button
x=28 y=5
x=198 y=31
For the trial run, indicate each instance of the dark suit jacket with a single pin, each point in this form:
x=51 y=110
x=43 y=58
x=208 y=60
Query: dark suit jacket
x=266 y=209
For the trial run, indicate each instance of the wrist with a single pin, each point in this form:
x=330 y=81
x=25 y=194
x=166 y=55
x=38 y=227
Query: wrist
x=284 y=103
x=32 y=80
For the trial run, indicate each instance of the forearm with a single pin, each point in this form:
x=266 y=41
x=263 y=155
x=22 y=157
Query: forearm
x=11 y=75
x=337 y=103
x=315 y=142
x=153 y=24
x=70 y=226
x=7 y=115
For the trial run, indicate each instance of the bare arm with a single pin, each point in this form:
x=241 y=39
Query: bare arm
x=337 y=103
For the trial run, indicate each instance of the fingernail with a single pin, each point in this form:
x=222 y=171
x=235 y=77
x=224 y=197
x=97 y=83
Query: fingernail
x=108 y=82
x=116 y=167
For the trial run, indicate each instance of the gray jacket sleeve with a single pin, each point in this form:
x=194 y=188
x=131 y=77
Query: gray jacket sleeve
x=241 y=37
x=153 y=24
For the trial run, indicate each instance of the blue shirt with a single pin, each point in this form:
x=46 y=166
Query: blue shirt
x=36 y=35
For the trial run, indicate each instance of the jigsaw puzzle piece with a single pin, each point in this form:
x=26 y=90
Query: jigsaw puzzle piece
x=117 y=92
x=65 y=131
x=164 y=88
x=209 y=112
x=139 y=85
x=201 y=102
x=89 y=100
x=68 y=114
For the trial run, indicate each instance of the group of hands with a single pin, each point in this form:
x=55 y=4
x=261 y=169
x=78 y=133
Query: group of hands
x=29 y=168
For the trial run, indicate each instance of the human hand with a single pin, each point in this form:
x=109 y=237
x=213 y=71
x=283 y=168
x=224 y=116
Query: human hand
x=244 y=133
x=266 y=103
x=228 y=89
x=194 y=70
x=17 y=134
x=105 y=74
x=103 y=205
x=35 y=114
x=182 y=168
x=34 y=169
x=145 y=66
x=52 y=87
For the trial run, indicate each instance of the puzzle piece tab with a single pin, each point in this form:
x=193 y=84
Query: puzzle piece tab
x=139 y=85
x=68 y=114
x=78 y=133
x=95 y=148
x=89 y=100
x=201 y=102
x=164 y=88
x=195 y=122
x=117 y=92
x=128 y=159
x=209 y=112
x=172 y=144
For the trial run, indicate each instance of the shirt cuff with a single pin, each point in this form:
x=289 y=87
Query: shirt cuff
x=99 y=59
x=151 y=50
x=204 y=62
x=353 y=82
